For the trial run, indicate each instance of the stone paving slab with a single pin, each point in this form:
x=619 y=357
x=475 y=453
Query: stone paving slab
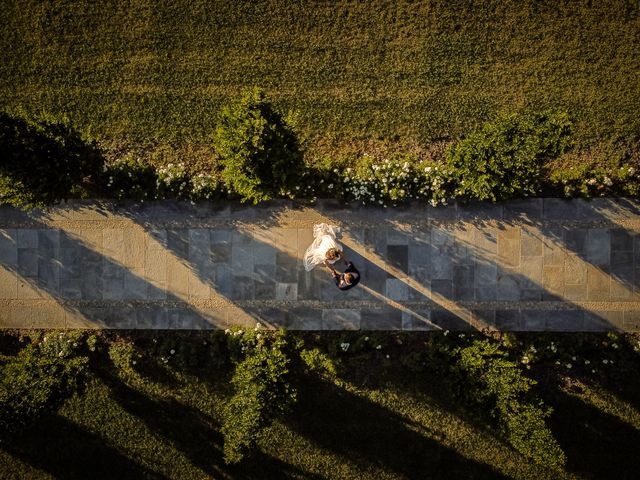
x=530 y=265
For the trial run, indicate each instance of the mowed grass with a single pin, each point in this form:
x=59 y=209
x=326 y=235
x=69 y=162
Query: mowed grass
x=151 y=75
x=377 y=419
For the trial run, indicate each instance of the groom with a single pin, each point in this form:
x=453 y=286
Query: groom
x=349 y=279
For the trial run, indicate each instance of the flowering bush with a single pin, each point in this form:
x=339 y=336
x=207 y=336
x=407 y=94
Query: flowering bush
x=390 y=182
x=595 y=181
x=130 y=178
x=205 y=186
x=173 y=181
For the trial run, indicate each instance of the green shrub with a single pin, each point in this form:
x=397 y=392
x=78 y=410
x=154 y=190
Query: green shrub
x=44 y=161
x=498 y=383
x=317 y=361
x=506 y=158
x=41 y=377
x=259 y=150
x=262 y=391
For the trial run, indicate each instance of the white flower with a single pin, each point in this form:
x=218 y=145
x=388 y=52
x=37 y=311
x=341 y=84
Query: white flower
x=378 y=347
x=387 y=355
x=605 y=361
x=614 y=345
x=591 y=181
x=366 y=339
x=573 y=358
x=446 y=332
x=172 y=351
x=461 y=335
x=344 y=346
x=587 y=362
x=569 y=365
x=607 y=181
x=133 y=362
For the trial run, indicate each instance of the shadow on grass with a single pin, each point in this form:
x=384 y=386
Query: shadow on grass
x=66 y=451
x=598 y=445
x=368 y=434
x=196 y=435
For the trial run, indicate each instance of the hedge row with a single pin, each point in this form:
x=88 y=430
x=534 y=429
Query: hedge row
x=514 y=156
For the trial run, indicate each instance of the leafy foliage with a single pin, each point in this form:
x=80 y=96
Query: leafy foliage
x=259 y=150
x=506 y=158
x=130 y=178
x=498 y=382
x=262 y=389
x=44 y=161
x=41 y=377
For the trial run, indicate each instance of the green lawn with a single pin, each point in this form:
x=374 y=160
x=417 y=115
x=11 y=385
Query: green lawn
x=386 y=418
x=150 y=75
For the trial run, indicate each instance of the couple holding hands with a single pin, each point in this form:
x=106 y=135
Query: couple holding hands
x=326 y=250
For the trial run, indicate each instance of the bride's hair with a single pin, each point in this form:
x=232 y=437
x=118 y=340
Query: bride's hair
x=333 y=253
x=349 y=278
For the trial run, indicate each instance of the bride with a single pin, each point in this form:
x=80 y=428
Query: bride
x=324 y=248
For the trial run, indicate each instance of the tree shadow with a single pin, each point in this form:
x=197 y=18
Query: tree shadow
x=67 y=451
x=195 y=434
x=354 y=428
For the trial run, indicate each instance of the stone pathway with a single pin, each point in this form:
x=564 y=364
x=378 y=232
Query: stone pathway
x=528 y=265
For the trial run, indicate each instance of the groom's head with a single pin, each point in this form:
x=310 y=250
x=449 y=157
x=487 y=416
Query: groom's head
x=349 y=278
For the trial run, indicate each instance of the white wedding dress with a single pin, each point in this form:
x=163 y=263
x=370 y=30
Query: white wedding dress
x=324 y=238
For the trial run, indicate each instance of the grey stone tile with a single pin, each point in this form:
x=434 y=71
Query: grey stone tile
x=486 y=293
x=479 y=211
x=198 y=245
x=135 y=287
x=418 y=319
x=534 y=320
x=484 y=318
x=305 y=284
x=265 y=285
x=621 y=240
x=49 y=276
x=8 y=247
x=28 y=262
x=441 y=266
x=508 y=320
x=463 y=275
x=287 y=268
x=157 y=291
x=575 y=240
x=397 y=289
x=375 y=239
x=575 y=270
x=451 y=320
x=221 y=253
x=187 y=319
x=565 y=320
x=485 y=273
x=507 y=287
x=220 y=236
x=242 y=261
x=381 y=319
x=443 y=288
x=603 y=321
x=559 y=209
x=70 y=288
x=302 y=318
x=597 y=247
x=395 y=237
x=27 y=238
x=242 y=288
x=419 y=250
x=443 y=213
x=264 y=254
x=152 y=318
x=340 y=319
x=223 y=283
x=398 y=257
x=91 y=287
x=49 y=242
x=113 y=288
x=531 y=294
x=286 y=291
x=271 y=317
x=528 y=209
x=178 y=242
